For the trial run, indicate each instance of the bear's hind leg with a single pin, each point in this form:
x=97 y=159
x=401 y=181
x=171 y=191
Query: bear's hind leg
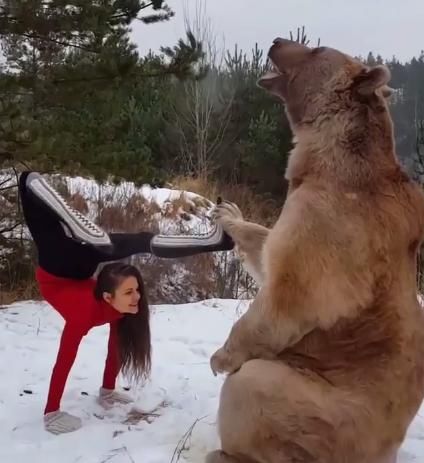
x=269 y=413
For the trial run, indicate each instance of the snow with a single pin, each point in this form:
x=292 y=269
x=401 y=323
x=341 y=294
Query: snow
x=90 y=188
x=181 y=384
x=166 y=199
x=184 y=337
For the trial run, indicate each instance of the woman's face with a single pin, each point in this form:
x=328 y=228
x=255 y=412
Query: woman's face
x=126 y=296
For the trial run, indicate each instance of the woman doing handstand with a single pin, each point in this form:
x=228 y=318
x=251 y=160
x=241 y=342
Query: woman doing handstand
x=70 y=247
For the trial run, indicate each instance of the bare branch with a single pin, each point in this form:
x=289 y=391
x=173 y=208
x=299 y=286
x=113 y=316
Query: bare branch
x=7 y=187
x=10 y=228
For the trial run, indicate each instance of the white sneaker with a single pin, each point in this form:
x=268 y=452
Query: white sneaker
x=109 y=397
x=211 y=238
x=81 y=227
x=61 y=422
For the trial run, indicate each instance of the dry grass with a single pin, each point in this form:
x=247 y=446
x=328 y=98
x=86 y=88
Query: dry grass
x=254 y=207
x=27 y=290
x=78 y=202
x=135 y=215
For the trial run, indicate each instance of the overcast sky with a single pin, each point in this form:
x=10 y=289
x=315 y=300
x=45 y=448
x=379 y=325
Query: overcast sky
x=388 y=27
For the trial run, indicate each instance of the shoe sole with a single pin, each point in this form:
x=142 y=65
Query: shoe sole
x=212 y=238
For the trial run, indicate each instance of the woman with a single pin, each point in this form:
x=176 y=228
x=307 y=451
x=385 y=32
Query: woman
x=70 y=247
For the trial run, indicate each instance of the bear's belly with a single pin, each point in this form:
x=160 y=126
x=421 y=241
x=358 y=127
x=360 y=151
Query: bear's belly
x=364 y=347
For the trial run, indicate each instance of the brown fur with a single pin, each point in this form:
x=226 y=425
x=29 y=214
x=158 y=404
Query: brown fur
x=327 y=364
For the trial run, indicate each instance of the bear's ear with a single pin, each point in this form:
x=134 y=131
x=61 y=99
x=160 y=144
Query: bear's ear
x=368 y=81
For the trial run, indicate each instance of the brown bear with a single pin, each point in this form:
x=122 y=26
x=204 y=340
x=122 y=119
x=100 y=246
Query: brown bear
x=327 y=364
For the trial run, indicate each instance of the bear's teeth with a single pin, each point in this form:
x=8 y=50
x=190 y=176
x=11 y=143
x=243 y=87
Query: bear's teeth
x=270 y=75
x=274 y=68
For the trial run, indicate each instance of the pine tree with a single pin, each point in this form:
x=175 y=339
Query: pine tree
x=62 y=48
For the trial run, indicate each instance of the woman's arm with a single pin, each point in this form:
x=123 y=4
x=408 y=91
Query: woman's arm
x=108 y=396
x=68 y=348
x=112 y=364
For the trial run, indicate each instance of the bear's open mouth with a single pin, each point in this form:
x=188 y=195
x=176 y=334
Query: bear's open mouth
x=272 y=72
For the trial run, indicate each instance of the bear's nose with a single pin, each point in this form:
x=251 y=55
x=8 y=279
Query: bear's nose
x=281 y=41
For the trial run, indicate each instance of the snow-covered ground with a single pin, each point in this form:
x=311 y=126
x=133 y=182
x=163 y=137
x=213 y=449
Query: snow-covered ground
x=184 y=337
x=182 y=385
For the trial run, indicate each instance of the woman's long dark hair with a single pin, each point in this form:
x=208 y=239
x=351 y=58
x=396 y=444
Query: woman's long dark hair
x=133 y=329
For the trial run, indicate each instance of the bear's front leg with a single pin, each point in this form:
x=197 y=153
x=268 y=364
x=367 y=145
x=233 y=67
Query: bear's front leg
x=224 y=361
x=252 y=336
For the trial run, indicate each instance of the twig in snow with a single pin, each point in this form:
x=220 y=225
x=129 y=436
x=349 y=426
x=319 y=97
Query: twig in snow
x=109 y=457
x=114 y=453
x=136 y=417
x=129 y=455
x=182 y=442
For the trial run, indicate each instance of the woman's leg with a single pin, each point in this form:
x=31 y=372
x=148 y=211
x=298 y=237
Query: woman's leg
x=173 y=246
x=167 y=246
